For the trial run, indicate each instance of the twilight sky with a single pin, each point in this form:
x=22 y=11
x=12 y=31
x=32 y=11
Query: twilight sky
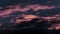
x=14 y=12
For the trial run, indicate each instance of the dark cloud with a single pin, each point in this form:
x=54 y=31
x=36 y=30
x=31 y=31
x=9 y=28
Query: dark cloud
x=43 y=2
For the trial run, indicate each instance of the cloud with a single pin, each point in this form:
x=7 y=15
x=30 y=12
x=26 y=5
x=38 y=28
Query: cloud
x=25 y=18
x=34 y=7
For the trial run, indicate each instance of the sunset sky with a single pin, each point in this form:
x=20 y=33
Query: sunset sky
x=13 y=12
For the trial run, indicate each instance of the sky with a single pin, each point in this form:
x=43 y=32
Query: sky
x=14 y=12
x=44 y=2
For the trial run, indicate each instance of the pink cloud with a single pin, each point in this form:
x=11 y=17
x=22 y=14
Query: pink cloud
x=34 y=7
x=25 y=18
